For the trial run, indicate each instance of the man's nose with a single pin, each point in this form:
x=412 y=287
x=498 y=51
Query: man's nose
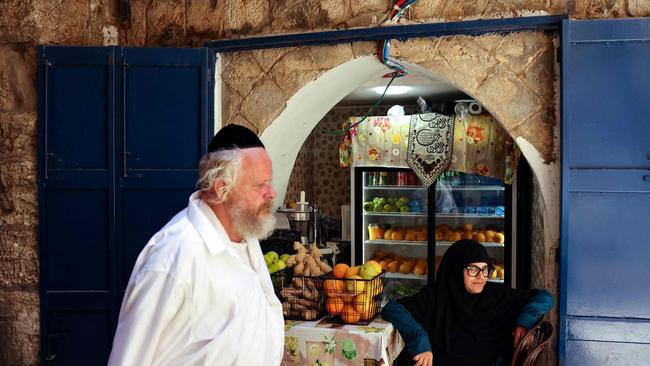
x=270 y=192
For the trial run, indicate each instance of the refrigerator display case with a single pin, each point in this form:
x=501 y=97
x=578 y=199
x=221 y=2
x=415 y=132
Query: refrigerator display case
x=470 y=206
x=407 y=227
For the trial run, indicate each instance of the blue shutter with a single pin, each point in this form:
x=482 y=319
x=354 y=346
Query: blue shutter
x=163 y=133
x=605 y=311
x=120 y=135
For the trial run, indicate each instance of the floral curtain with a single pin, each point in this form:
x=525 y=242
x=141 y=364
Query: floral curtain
x=481 y=145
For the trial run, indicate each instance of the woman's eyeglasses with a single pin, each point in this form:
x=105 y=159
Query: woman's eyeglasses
x=473 y=271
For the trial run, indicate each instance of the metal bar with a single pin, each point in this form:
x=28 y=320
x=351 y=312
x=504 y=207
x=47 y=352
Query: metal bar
x=402 y=32
x=46 y=66
x=124 y=152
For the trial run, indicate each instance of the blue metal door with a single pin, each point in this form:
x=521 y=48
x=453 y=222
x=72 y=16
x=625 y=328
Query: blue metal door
x=605 y=302
x=120 y=135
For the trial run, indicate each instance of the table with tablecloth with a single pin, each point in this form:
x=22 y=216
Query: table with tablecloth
x=320 y=343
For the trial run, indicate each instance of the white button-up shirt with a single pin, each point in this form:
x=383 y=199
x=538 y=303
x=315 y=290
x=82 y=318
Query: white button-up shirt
x=191 y=300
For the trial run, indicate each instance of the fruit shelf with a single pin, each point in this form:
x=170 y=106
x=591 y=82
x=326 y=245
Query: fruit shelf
x=477 y=188
x=405 y=275
x=398 y=214
x=396 y=242
x=464 y=215
x=394 y=187
x=485 y=244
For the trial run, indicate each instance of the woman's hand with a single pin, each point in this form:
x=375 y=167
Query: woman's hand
x=519 y=334
x=423 y=359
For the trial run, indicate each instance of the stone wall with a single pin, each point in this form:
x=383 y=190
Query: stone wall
x=27 y=23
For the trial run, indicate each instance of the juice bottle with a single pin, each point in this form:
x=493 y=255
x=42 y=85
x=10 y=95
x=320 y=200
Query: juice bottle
x=373 y=230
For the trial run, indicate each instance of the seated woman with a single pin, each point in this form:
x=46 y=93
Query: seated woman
x=462 y=319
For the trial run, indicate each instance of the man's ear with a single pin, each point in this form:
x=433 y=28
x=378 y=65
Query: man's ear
x=218 y=188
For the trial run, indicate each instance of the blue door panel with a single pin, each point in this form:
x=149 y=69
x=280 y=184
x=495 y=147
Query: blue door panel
x=78 y=338
x=609 y=330
x=612 y=114
x=608 y=258
x=77 y=235
x=78 y=106
x=605 y=223
x=590 y=353
x=120 y=135
x=145 y=212
x=163 y=107
x=601 y=180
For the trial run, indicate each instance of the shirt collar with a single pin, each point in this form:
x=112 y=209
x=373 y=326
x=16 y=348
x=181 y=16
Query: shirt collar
x=207 y=224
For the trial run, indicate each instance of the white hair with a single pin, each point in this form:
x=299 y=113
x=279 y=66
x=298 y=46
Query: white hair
x=220 y=164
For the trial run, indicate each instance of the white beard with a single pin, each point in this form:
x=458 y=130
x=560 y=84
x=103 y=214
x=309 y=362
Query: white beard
x=251 y=224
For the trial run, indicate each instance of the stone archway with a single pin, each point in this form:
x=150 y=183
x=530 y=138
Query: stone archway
x=283 y=93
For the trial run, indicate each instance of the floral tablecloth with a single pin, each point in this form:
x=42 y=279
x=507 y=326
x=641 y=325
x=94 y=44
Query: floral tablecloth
x=318 y=343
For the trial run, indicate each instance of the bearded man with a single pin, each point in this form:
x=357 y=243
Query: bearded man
x=200 y=292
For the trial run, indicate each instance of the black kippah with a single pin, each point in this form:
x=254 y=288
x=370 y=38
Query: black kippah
x=233 y=136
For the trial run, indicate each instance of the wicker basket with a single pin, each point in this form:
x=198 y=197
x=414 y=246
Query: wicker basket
x=302 y=297
x=352 y=301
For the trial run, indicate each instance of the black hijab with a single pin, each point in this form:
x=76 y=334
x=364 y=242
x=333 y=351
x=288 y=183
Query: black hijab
x=464 y=328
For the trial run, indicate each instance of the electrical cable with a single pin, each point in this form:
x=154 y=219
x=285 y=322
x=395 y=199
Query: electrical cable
x=363 y=118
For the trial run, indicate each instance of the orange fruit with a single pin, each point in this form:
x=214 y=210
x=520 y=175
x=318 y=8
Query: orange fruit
x=352 y=271
x=397 y=235
x=334 y=287
x=335 y=305
x=349 y=314
x=339 y=270
x=392 y=266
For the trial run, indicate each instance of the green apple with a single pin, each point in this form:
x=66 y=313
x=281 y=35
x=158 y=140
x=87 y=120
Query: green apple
x=368 y=206
x=284 y=257
x=273 y=255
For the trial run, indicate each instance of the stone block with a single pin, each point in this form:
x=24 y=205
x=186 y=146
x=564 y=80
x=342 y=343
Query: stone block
x=539 y=131
x=135 y=34
x=204 y=17
x=16 y=23
x=19 y=321
x=265 y=102
x=240 y=72
x=360 y=49
x=336 y=11
x=295 y=17
x=59 y=23
x=512 y=98
x=18 y=136
x=17 y=79
x=638 y=8
x=376 y=7
x=328 y=57
x=18 y=256
x=245 y=17
x=230 y=102
x=166 y=23
x=518 y=50
x=470 y=62
x=268 y=57
x=416 y=50
x=294 y=70
x=540 y=75
x=102 y=23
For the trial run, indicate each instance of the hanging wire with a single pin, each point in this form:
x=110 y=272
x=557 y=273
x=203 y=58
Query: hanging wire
x=363 y=118
x=384 y=56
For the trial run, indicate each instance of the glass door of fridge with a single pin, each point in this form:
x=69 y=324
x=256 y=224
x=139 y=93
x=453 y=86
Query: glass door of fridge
x=470 y=206
x=394 y=208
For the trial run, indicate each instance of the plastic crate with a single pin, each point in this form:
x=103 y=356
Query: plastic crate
x=352 y=300
x=302 y=297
